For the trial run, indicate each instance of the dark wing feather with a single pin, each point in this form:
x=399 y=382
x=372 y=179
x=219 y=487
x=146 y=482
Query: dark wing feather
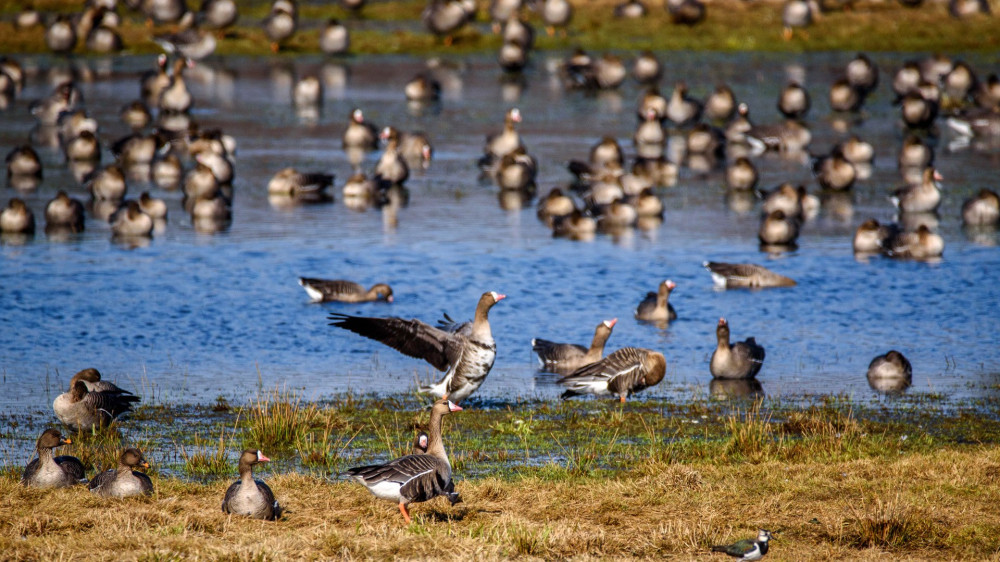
x=410 y=337
x=333 y=286
x=447 y=324
x=147 y=484
x=30 y=470
x=72 y=466
x=105 y=386
x=621 y=367
x=102 y=479
x=422 y=476
x=231 y=492
x=738 y=548
x=265 y=491
x=111 y=403
x=749 y=351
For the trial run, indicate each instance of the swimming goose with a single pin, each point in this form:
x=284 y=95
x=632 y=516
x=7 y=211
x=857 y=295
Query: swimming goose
x=154 y=207
x=862 y=74
x=778 y=229
x=789 y=136
x=83 y=410
x=575 y=226
x=323 y=290
x=104 y=39
x=414 y=478
x=64 y=97
x=745 y=276
x=136 y=115
x=23 y=161
x=293 y=183
x=682 y=110
x=844 y=97
x=871 y=237
x=567 y=357
x=647 y=68
x=64 y=212
x=857 y=151
x=628 y=370
x=919 y=245
x=123 y=482
x=917 y=111
x=506 y=141
x=17 y=218
x=656 y=306
x=466 y=351
x=555 y=204
x=906 y=79
x=741 y=360
x=359 y=134
x=416 y=149
x=793 y=101
x=108 y=184
x=130 y=220
x=890 y=372
x=52 y=472
x=334 y=38
x=391 y=168
x=83 y=148
x=835 y=172
x=422 y=87
x=915 y=154
x=720 y=105
x=987 y=93
x=982 y=210
x=512 y=57
x=922 y=197
x=741 y=175
x=249 y=496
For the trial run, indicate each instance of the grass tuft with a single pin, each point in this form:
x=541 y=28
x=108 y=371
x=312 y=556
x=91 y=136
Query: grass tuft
x=885 y=524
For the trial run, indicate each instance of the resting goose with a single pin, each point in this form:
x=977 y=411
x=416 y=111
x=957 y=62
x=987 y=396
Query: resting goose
x=745 y=276
x=466 y=351
x=656 y=306
x=682 y=109
x=871 y=237
x=24 y=161
x=922 y=197
x=17 y=218
x=293 y=183
x=391 y=168
x=741 y=360
x=248 y=496
x=556 y=14
x=793 y=101
x=500 y=144
x=835 y=172
x=130 y=220
x=778 y=228
x=414 y=478
x=568 y=357
x=921 y=244
x=52 y=472
x=92 y=379
x=322 y=290
x=890 y=372
x=123 y=482
x=720 y=105
x=64 y=212
x=982 y=209
x=741 y=175
x=628 y=370
x=359 y=134
x=82 y=409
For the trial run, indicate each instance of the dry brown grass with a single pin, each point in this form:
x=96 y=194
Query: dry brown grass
x=921 y=506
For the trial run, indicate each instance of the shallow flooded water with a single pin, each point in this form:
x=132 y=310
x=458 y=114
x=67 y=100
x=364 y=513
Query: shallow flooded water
x=195 y=315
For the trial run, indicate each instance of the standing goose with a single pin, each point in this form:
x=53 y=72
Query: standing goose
x=123 y=482
x=506 y=141
x=248 y=496
x=52 y=472
x=682 y=109
x=556 y=14
x=83 y=410
x=745 y=276
x=281 y=23
x=741 y=360
x=568 y=357
x=628 y=370
x=466 y=351
x=656 y=306
x=322 y=290
x=778 y=229
x=176 y=98
x=414 y=478
x=391 y=168
x=334 y=38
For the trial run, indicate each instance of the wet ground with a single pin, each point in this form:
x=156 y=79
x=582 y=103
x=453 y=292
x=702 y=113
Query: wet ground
x=195 y=315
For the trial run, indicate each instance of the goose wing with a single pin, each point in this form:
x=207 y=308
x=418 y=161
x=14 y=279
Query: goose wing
x=438 y=347
x=622 y=369
x=112 y=404
x=420 y=477
x=72 y=466
x=745 y=275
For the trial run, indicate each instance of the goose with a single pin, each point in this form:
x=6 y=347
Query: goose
x=176 y=98
x=123 y=482
x=83 y=410
x=575 y=226
x=793 y=101
x=682 y=109
x=921 y=244
x=917 y=111
x=416 y=149
x=414 y=478
x=292 y=183
x=741 y=360
x=444 y=17
x=556 y=14
x=466 y=351
x=656 y=306
x=359 y=134
x=153 y=82
x=646 y=69
x=960 y=9
x=391 y=168
x=628 y=370
x=519 y=32
x=891 y=371
x=249 y=496
x=982 y=210
x=189 y=41
x=631 y=9
x=334 y=38
x=796 y=14
x=64 y=212
x=17 y=218
x=23 y=161
x=649 y=135
x=652 y=105
x=83 y=148
x=568 y=357
x=108 y=184
x=844 y=97
x=862 y=74
x=981 y=123
x=422 y=87
x=166 y=171
x=513 y=57
x=130 y=220
x=745 y=276
x=154 y=207
x=218 y=14
x=506 y=141
x=857 y=151
x=136 y=115
x=64 y=97
x=60 y=36
x=915 y=154
x=52 y=472
x=871 y=237
x=339 y=290
x=104 y=39
x=779 y=229
x=789 y=136
x=741 y=175
x=281 y=23
x=835 y=172
x=922 y=197
x=501 y=11
x=685 y=12
x=987 y=93
x=720 y=105
x=555 y=204
x=359 y=187
x=164 y=11
x=92 y=379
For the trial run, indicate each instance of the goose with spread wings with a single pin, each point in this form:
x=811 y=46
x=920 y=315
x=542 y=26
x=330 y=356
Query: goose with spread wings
x=465 y=350
x=628 y=370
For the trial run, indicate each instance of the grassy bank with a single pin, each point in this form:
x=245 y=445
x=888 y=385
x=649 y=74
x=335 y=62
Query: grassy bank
x=393 y=27
x=917 y=480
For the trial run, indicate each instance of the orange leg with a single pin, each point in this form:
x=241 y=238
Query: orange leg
x=406 y=515
x=275 y=47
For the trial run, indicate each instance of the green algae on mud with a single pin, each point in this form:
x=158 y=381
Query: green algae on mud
x=730 y=26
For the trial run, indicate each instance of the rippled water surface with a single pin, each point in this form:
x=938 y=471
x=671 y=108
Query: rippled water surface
x=195 y=315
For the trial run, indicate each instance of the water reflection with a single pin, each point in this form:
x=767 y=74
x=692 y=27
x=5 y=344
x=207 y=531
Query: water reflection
x=735 y=388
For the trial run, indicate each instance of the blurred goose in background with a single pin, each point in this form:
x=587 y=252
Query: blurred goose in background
x=135 y=115
x=84 y=147
x=682 y=110
x=857 y=151
x=354 y=6
x=154 y=207
x=844 y=97
x=17 y=218
x=567 y=357
x=745 y=276
x=720 y=105
x=104 y=39
x=915 y=154
x=834 y=171
x=164 y=11
x=922 y=197
x=626 y=371
x=906 y=79
x=791 y=200
x=153 y=82
x=793 y=101
x=108 y=184
x=414 y=478
x=292 y=183
x=176 y=98
x=575 y=226
x=517 y=31
x=685 y=12
x=976 y=123
x=466 y=351
x=218 y=14
x=167 y=171
x=741 y=175
x=506 y=141
x=513 y=57
x=646 y=69
x=861 y=74
x=555 y=204
x=987 y=93
x=423 y=87
x=917 y=111
x=334 y=38
x=778 y=229
x=789 y=136
x=339 y=290
x=307 y=93
x=871 y=237
x=501 y=11
x=958 y=86
x=556 y=14
x=64 y=212
x=921 y=244
x=131 y=221
x=123 y=481
x=445 y=17
x=960 y=9
x=359 y=133
x=60 y=35
x=797 y=14
x=741 y=360
x=652 y=102
x=189 y=41
x=64 y=97
x=983 y=209
x=656 y=306
x=48 y=471
x=890 y=372
x=249 y=496
x=631 y=9
x=391 y=168
x=280 y=25
x=23 y=161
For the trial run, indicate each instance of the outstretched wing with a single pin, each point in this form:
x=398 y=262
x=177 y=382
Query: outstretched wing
x=410 y=337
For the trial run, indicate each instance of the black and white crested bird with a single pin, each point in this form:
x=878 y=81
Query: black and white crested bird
x=465 y=350
x=747 y=549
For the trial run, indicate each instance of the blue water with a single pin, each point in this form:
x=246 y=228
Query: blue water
x=192 y=316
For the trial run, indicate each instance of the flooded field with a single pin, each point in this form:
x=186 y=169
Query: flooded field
x=193 y=315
